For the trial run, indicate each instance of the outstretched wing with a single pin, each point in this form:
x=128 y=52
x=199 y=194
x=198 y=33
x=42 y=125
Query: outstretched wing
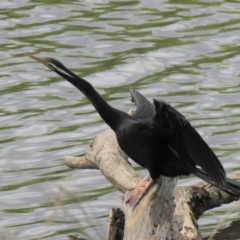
x=145 y=109
x=190 y=146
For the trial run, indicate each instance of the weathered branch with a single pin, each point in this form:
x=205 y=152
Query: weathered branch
x=79 y=162
x=116 y=223
x=166 y=212
x=106 y=155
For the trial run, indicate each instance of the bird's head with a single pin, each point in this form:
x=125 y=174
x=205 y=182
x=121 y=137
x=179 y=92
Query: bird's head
x=53 y=65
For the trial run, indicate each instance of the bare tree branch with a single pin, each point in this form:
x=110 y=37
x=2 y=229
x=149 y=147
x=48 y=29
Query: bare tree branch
x=166 y=212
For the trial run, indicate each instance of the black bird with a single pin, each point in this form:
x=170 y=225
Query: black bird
x=156 y=137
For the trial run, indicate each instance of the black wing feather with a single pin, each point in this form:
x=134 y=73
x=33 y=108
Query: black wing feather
x=192 y=149
x=230 y=186
x=202 y=154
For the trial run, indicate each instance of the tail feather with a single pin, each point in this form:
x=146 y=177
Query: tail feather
x=231 y=186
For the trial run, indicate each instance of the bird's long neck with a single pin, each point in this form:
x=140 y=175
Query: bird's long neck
x=112 y=116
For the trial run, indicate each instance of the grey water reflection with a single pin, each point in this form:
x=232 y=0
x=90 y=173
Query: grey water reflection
x=186 y=52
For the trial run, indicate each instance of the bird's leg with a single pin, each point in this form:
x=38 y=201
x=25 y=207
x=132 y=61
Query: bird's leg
x=135 y=194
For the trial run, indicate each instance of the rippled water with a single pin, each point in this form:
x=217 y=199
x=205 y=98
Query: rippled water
x=186 y=52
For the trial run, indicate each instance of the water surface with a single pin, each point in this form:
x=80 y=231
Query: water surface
x=186 y=52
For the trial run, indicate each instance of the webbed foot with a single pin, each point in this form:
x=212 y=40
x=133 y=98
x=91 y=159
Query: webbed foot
x=135 y=194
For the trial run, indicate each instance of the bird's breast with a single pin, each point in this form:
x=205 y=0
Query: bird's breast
x=138 y=143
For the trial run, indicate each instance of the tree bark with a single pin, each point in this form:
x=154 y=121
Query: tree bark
x=166 y=212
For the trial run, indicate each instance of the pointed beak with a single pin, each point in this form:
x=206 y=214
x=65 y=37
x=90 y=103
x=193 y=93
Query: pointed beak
x=44 y=61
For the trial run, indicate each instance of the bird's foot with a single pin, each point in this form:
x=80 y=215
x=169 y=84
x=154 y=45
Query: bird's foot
x=135 y=194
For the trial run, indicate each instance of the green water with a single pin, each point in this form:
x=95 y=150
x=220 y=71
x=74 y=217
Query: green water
x=186 y=52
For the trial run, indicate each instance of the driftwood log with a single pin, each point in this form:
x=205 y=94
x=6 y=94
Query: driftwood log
x=166 y=212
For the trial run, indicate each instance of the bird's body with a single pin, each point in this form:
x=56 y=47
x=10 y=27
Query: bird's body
x=156 y=137
x=147 y=144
